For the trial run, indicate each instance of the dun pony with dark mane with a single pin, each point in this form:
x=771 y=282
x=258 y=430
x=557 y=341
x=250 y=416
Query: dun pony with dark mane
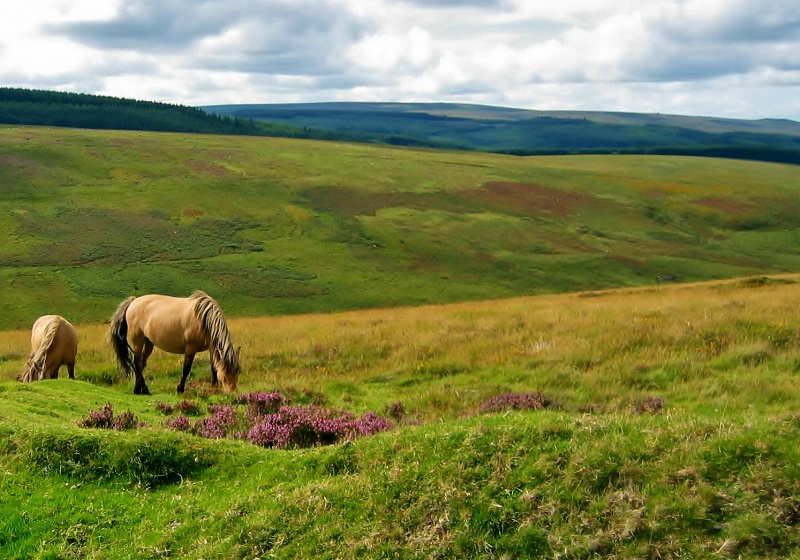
x=54 y=343
x=176 y=325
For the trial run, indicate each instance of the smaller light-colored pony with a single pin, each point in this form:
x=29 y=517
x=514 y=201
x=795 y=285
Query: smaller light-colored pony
x=54 y=343
x=178 y=326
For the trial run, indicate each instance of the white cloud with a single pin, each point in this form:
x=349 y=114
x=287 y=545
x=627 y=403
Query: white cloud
x=387 y=52
x=733 y=57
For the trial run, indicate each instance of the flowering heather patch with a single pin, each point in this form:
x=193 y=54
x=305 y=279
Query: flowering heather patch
x=368 y=425
x=309 y=426
x=516 y=401
x=124 y=421
x=221 y=423
x=98 y=418
x=104 y=418
x=260 y=402
x=269 y=421
x=180 y=423
x=185 y=407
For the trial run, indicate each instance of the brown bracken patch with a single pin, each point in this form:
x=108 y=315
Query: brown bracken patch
x=725 y=206
x=206 y=168
x=529 y=198
x=192 y=212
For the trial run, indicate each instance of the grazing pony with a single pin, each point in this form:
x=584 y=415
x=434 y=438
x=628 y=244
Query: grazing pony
x=54 y=343
x=176 y=325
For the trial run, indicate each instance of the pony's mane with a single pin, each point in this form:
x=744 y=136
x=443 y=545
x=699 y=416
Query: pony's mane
x=210 y=314
x=38 y=357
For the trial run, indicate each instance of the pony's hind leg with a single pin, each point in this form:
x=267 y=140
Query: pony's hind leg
x=140 y=387
x=147 y=349
x=139 y=360
x=188 y=358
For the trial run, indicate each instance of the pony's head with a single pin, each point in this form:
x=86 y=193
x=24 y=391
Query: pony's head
x=227 y=366
x=224 y=355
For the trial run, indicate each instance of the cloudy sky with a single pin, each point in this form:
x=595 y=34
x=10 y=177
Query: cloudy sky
x=730 y=58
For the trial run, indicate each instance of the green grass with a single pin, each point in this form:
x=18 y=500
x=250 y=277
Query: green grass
x=711 y=472
x=515 y=485
x=293 y=238
x=276 y=226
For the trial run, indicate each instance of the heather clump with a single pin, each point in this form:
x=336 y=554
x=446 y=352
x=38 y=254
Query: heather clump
x=396 y=411
x=269 y=420
x=261 y=402
x=516 y=401
x=221 y=423
x=309 y=426
x=187 y=407
x=105 y=419
x=180 y=423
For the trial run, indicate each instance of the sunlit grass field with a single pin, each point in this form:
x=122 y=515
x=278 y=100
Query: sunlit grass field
x=703 y=347
x=712 y=471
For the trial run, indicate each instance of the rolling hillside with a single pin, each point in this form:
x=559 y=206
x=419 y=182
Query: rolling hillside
x=422 y=286
x=522 y=132
x=274 y=226
x=433 y=125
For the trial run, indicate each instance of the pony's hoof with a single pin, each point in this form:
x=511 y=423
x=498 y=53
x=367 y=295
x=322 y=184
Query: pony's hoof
x=179 y=390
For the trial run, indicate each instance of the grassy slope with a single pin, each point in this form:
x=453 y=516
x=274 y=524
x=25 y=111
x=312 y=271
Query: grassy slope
x=713 y=474
x=275 y=226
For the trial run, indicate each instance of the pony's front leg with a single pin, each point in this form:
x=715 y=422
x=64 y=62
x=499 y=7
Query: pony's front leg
x=214 y=380
x=188 y=358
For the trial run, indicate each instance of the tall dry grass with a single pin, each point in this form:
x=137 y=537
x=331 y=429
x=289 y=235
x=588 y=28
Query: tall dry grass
x=705 y=346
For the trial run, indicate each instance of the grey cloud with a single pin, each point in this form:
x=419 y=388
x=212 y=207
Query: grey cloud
x=148 y=25
x=741 y=22
x=686 y=65
x=276 y=35
x=744 y=38
x=273 y=37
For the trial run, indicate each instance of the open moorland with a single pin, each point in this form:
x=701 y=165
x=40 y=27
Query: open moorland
x=477 y=353
x=275 y=226
x=654 y=422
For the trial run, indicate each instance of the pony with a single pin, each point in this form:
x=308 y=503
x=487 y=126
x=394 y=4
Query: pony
x=178 y=326
x=54 y=343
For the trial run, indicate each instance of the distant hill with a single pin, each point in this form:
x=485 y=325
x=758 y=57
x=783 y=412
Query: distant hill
x=433 y=125
x=520 y=131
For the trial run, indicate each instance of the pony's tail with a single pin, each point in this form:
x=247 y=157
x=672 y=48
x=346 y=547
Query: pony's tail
x=34 y=369
x=118 y=335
